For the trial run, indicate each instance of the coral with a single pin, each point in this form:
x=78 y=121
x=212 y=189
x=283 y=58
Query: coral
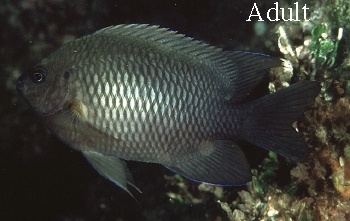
x=324 y=48
x=338 y=13
x=319 y=188
x=182 y=194
x=265 y=200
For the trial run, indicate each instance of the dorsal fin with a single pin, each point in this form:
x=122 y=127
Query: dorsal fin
x=165 y=37
x=246 y=71
x=237 y=72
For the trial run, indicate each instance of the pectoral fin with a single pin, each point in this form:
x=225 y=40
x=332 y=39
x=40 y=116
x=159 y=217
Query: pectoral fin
x=111 y=168
x=218 y=162
x=73 y=121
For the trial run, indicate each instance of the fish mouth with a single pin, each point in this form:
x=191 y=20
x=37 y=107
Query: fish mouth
x=20 y=86
x=22 y=89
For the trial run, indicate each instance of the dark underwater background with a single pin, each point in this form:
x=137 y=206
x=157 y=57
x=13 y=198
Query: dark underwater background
x=43 y=179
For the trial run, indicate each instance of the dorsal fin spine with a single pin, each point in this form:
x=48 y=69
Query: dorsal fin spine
x=237 y=72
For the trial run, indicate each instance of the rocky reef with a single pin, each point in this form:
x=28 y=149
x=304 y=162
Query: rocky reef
x=42 y=179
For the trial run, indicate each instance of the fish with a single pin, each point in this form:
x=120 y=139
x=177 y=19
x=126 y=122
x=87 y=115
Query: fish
x=145 y=93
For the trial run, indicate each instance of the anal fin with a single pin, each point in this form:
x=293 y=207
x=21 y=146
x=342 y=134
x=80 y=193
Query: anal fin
x=218 y=163
x=111 y=168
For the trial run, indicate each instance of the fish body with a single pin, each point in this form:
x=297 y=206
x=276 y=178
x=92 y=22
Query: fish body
x=144 y=93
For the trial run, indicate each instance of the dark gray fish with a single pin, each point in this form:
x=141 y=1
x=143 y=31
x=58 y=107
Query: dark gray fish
x=144 y=93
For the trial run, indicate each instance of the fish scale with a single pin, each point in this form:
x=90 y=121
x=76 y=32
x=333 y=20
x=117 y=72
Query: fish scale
x=144 y=93
x=131 y=113
x=150 y=91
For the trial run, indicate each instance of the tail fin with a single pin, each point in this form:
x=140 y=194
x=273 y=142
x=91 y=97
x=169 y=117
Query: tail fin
x=268 y=121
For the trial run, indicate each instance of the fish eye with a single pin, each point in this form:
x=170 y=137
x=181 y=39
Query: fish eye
x=66 y=75
x=38 y=75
